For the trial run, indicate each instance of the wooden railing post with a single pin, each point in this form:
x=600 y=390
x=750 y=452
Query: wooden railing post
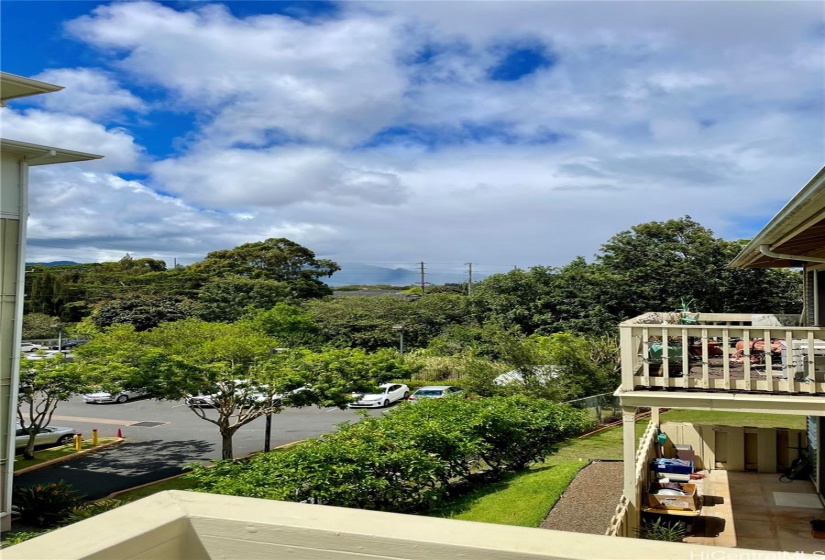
x=628 y=354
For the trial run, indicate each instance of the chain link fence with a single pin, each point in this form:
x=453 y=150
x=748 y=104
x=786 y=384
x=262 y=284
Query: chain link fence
x=603 y=408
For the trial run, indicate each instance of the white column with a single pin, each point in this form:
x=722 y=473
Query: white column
x=654 y=415
x=629 y=446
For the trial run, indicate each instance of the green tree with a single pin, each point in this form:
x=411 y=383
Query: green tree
x=236 y=366
x=44 y=383
x=143 y=312
x=227 y=298
x=661 y=264
x=377 y=322
x=517 y=299
x=279 y=259
x=289 y=324
x=39 y=325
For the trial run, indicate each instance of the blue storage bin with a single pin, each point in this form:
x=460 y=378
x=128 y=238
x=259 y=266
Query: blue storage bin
x=675 y=466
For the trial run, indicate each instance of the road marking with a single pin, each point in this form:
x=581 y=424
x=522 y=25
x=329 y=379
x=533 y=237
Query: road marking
x=96 y=420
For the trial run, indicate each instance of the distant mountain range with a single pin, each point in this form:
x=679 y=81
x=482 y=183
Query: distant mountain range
x=371 y=275
x=53 y=263
x=362 y=275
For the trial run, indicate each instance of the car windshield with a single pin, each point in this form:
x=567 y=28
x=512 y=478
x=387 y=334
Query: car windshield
x=429 y=393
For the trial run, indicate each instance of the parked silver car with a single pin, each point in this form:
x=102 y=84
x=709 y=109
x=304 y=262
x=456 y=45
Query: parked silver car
x=436 y=392
x=102 y=397
x=50 y=435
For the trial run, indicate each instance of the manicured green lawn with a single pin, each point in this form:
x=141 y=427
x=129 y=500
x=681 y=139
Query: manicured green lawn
x=524 y=499
x=735 y=419
x=44 y=455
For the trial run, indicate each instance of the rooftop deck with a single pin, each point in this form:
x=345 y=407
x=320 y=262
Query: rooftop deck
x=712 y=352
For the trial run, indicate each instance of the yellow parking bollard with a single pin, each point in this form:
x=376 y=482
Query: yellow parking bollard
x=95 y=439
x=78 y=441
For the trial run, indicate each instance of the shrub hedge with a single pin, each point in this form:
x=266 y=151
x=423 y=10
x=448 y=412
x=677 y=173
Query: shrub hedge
x=407 y=460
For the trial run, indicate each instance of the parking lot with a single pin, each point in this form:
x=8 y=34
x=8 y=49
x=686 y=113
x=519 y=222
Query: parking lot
x=163 y=437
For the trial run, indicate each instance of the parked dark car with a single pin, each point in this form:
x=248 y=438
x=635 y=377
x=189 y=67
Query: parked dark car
x=68 y=344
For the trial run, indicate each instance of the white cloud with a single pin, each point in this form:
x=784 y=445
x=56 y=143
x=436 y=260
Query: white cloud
x=335 y=82
x=74 y=133
x=657 y=110
x=89 y=92
x=243 y=179
x=87 y=216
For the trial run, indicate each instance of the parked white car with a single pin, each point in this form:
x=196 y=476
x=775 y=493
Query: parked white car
x=243 y=391
x=46 y=354
x=102 y=397
x=390 y=393
x=29 y=347
x=50 y=435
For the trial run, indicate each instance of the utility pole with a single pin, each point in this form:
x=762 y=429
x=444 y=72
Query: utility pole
x=422 y=278
x=175 y=265
x=469 y=278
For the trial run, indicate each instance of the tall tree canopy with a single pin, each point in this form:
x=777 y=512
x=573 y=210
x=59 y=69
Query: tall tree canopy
x=274 y=259
x=654 y=266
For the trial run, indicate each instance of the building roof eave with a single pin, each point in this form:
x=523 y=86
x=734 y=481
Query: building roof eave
x=13 y=86
x=38 y=154
x=800 y=213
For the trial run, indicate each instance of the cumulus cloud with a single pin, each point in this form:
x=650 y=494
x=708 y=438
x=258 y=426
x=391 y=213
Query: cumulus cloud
x=238 y=179
x=74 y=133
x=335 y=82
x=89 y=92
x=357 y=133
x=110 y=216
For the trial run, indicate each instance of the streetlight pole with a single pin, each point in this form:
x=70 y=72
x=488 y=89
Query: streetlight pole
x=59 y=326
x=400 y=328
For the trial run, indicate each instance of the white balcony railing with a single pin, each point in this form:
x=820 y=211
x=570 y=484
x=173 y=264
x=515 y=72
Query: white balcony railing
x=722 y=351
x=645 y=452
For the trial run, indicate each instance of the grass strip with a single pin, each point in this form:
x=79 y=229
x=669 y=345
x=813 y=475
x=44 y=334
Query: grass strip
x=525 y=498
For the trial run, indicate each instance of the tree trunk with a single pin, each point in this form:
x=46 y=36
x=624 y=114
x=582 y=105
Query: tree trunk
x=226 y=444
x=28 y=452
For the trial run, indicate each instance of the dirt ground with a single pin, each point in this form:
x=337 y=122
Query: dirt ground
x=588 y=504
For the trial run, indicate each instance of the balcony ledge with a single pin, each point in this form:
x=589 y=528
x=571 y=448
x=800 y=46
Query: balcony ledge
x=197 y=526
x=812 y=405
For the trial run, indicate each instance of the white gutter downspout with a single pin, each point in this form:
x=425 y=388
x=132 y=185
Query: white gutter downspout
x=766 y=250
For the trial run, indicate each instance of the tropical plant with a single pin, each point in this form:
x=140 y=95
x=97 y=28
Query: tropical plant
x=661 y=530
x=11 y=539
x=90 y=509
x=45 y=505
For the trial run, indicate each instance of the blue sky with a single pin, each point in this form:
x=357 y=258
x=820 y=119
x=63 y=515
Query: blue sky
x=501 y=133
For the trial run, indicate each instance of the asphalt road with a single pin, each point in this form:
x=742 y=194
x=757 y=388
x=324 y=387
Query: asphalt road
x=153 y=452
